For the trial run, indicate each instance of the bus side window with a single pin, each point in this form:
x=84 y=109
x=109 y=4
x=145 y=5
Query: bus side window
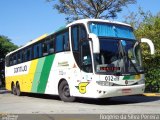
x=75 y=40
x=37 y=50
x=66 y=41
x=7 y=61
x=28 y=54
x=59 y=43
x=78 y=34
x=18 y=57
x=44 y=48
x=14 y=59
x=23 y=56
x=51 y=46
x=10 y=60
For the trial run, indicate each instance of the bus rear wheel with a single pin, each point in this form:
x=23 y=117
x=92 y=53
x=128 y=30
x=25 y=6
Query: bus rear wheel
x=13 y=88
x=64 y=92
x=18 y=91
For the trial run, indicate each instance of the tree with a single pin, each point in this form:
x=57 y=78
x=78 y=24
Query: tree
x=148 y=26
x=5 y=46
x=151 y=29
x=102 y=9
x=135 y=19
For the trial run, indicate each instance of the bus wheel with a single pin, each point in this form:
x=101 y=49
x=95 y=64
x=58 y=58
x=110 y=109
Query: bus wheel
x=64 y=92
x=13 y=87
x=18 y=91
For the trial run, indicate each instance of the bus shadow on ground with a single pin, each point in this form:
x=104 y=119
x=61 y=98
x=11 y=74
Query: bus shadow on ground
x=42 y=96
x=119 y=100
x=105 y=101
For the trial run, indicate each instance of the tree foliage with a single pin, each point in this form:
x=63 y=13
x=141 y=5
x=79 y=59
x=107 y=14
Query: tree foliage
x=148 y=26
x=78 y=9
x=6 y=46
x=151 y=29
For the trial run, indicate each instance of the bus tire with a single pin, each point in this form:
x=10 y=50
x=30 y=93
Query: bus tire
x=13 y=88
x=18 y=90
x=64 y=92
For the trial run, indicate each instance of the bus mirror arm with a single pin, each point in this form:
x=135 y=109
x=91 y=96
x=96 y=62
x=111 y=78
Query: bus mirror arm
x=95 y=41
x=150 y=43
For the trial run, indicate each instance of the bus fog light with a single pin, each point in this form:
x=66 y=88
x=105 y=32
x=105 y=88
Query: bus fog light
x=99 y=91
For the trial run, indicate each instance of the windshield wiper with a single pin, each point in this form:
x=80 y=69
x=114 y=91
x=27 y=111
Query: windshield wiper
x=133 y=64
x=122 y=49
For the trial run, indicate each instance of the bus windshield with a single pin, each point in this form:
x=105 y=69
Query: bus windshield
x=118 y=56
x=111 y=30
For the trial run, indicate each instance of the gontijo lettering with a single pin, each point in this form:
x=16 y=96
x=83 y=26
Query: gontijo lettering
x=20 y=69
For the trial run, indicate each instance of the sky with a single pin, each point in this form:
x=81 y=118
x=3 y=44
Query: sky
x=25 y=20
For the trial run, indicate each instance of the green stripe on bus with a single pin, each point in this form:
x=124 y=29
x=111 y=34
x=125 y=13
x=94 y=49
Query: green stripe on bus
x=129 y=77
x=37 y=75
x=45 y=73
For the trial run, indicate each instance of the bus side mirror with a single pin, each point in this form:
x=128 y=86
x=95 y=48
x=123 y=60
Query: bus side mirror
x=95 y=41
x=150 y=43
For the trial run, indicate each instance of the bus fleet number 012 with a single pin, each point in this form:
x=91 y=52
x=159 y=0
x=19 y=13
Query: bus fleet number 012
x=112 y=78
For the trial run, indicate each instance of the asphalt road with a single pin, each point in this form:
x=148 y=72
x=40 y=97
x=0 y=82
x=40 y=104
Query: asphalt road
x=47 y=104
x=33 y=103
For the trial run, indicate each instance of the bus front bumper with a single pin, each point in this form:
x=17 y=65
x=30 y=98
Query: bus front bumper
x=113 y=91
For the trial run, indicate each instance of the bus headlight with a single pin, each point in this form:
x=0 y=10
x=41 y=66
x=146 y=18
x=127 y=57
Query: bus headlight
x=142 y=81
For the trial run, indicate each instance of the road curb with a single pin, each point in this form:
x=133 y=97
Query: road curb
x=152 y=94
x=4 y=91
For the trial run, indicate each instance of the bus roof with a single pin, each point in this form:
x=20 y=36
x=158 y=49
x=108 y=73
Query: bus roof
x=29 y=43
x=81 y=21
x=85 y=21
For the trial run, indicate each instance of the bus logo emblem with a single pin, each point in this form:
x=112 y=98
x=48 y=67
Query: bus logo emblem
x=126 y=82
x=82 y=87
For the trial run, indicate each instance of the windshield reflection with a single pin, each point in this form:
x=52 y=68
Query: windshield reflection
x=118 y=57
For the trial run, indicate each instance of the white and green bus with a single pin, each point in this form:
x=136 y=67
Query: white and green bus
x=89 y=58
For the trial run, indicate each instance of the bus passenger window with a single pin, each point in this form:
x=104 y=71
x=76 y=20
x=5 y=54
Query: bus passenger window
x=59 y=43
x=75 y=40
x=19 y=58
x=14 y=60
x=78 y=34
x=27 y=54
x=44 y=48
x=66 y=41
x=11 y=60
x=37 y=50
x=51 y=46
x=23 y=56
x=7 y=61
